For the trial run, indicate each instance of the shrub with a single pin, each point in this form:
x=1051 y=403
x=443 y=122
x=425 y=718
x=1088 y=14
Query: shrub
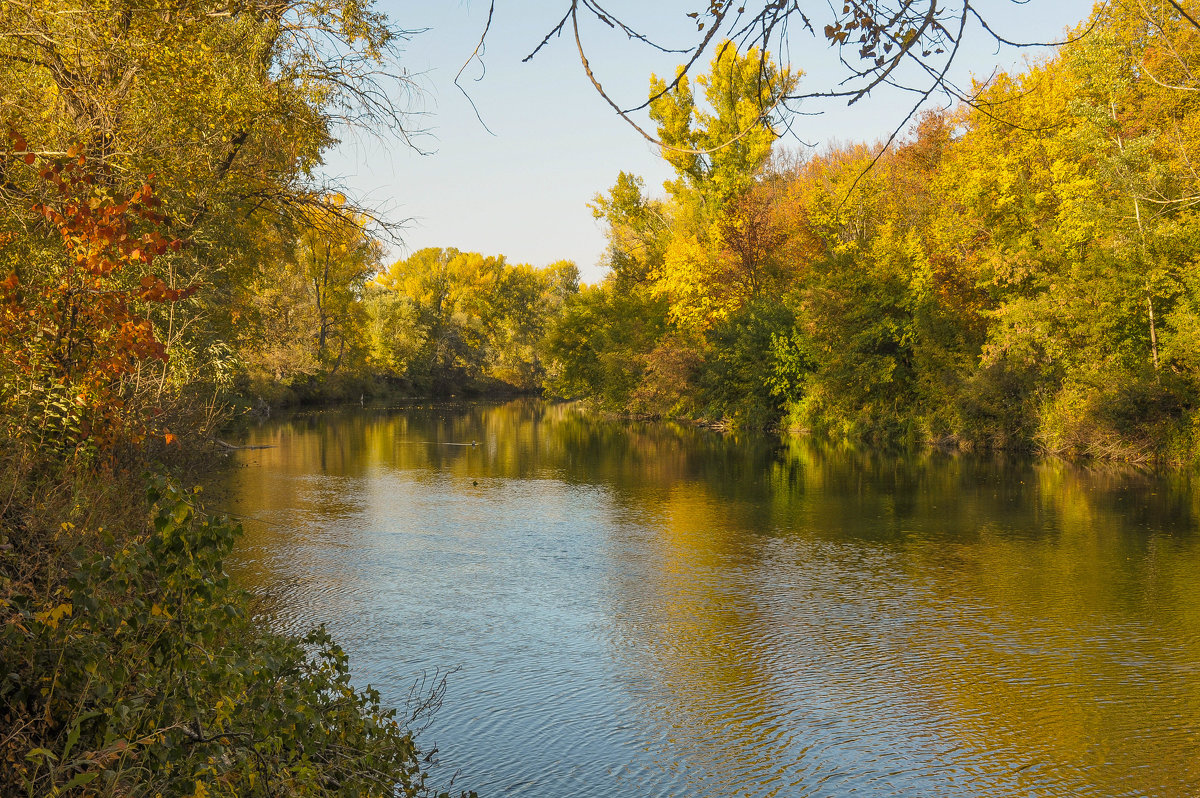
x=142 y=673
x=74 y=329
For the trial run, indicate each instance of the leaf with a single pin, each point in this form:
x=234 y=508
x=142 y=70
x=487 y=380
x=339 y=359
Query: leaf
x=41 y=753
x=72 y=738
x=51 y=617
x=80 y=779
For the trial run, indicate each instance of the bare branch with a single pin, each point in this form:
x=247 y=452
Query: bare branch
x=874 y=38
x=477 y=55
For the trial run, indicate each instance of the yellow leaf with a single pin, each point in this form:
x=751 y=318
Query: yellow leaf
x=51 y=617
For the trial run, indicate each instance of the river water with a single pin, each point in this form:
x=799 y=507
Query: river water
x=645 y=609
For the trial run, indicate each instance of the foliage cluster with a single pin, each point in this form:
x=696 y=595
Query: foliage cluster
x=231 y=107
x=76 y=334
x=1018 y=273
x=333 y=323
x=131 y=665
x=445 y=321
x=141 y=672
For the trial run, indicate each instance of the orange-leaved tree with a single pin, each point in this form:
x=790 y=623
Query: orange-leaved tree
x=76 y=285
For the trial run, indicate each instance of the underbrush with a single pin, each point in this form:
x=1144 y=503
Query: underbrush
x=1144 y=422
x=131 y=664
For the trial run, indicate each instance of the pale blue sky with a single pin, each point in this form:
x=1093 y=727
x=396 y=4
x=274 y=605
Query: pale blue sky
x=523 y=192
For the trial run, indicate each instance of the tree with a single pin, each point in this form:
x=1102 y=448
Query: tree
x=738 y=380
x=230 y=106
x=528 y=299
x=598 y=346
x=715 y=258
x=450 y=320
x=307 y=314
x=638 y=230
x=74 y=304
x=337 y=257
x=750 y=239
x=718 y=148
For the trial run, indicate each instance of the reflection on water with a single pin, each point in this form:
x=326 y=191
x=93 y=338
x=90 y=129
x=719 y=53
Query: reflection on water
x=653 y=610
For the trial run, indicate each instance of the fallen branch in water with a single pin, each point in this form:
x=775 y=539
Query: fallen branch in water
x=230 y=446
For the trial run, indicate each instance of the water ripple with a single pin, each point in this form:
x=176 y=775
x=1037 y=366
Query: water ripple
x=642 y=612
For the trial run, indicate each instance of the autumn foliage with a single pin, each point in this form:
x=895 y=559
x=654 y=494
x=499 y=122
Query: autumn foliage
x=75 y=332
x=1019 y=272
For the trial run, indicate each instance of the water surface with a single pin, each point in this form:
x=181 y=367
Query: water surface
x=638 y=609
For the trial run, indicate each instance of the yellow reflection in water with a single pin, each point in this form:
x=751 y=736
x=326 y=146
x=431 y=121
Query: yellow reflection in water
x=784 y=613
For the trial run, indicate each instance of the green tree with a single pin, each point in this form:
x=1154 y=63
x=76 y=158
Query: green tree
x=638 y=230
x=528 y=299
x=308 y=320
x=598 y=346
x=739 y=378
x=716 y=149
x=449 y=320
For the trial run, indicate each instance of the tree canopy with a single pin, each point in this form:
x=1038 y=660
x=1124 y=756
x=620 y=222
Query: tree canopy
x=1017 y=271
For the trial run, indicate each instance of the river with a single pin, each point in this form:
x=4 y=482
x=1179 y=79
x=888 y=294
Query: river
x=648 y=609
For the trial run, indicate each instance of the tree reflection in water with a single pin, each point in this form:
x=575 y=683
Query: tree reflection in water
x=653 y=609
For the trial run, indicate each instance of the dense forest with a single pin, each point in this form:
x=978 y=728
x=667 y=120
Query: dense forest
x=1017 y=272
x=1020 y=272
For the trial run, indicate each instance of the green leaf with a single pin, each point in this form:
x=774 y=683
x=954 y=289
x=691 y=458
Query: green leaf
x=80 y=779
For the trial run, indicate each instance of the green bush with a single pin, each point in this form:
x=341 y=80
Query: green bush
x=141 y=673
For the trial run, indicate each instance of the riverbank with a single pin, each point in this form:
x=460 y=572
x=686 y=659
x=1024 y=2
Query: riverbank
x=331 y=391
x=1154 y=443
x=135 y=665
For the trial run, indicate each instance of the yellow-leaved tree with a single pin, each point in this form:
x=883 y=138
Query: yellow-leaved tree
x=721 y=232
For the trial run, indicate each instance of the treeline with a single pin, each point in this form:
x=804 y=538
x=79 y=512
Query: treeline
x=1020 y=272
x=438 y=323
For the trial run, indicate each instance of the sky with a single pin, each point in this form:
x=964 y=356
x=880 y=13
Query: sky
x=510 y=166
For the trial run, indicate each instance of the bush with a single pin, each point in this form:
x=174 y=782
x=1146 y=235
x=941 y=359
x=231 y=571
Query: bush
x=1134 y=418
x=141 y=672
